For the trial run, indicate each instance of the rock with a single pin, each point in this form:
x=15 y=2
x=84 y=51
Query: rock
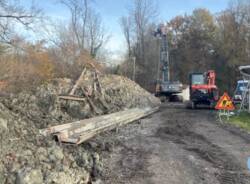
x=68 y=177
x=96 y=157
x=94 y=145
x=29 y=176
x=97 y=170
x=3 y=125
x=97 y=182
x=46 y=166
x=2 y=177
x=42 y=154
x=56 y=153
x=82 y=160
x=27 y=153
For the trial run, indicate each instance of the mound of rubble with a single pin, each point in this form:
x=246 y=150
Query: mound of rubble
x=29 y=158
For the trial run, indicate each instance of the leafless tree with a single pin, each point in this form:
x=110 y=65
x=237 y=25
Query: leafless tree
x=144 y=13
x=138 y=26
x=79 y=10
x=96 y=33
x=126 y=26
x=11 y=14
x=86 y=26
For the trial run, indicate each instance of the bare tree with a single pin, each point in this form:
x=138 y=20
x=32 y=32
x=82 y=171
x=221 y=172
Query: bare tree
x=79 y=10
x=125 y=23
x=96 y=33
x=11 y=14
x=86 y=26
x=144 y=13
x=138 y=26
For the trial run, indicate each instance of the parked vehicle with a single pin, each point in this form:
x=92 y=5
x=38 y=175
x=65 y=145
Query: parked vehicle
x=239 y=91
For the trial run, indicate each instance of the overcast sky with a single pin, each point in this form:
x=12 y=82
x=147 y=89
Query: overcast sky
x=112 y=10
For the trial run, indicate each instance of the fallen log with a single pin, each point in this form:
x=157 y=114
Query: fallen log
x=80 y=131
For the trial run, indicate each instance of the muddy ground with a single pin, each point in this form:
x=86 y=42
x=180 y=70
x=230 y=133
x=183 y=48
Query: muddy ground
x=178 y=146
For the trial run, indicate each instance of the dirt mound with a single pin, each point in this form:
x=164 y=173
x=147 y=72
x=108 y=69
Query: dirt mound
x=26 y=157
x=46 y=109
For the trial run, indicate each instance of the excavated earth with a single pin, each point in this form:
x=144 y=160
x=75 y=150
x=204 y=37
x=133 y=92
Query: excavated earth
x=178 y=146
x=172 y=146
x=29 y=158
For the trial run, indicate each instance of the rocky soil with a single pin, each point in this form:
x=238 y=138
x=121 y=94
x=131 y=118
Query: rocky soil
x=28 y=158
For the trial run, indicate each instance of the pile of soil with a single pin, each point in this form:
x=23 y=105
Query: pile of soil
x=29 y=158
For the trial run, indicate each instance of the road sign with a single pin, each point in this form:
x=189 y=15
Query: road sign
x=225 y=103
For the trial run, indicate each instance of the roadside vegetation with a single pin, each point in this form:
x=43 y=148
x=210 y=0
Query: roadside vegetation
x=62 y=50
x=241 y=120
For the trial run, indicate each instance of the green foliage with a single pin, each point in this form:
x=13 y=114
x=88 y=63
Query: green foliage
x=242 y=120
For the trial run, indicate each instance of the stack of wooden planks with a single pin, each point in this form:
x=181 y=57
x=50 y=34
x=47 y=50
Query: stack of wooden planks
x=80 y=131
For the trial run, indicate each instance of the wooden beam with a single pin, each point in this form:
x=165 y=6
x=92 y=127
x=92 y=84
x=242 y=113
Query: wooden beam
x=74 y=98
x=78 y=82
x=80 y=131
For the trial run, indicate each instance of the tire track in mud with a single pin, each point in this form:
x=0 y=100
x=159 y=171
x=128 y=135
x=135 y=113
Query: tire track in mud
x=179 y=131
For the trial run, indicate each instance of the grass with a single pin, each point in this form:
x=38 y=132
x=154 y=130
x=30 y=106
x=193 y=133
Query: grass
x=241 y=120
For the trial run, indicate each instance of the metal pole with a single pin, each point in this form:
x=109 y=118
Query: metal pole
x=159 y=60
x=168 y=68
x=248 y=88
x=134 y=68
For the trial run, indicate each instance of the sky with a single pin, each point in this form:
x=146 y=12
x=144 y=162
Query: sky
x=112 y=10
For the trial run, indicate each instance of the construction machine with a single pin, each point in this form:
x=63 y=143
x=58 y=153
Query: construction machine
x=203 y=90
x=165 y=87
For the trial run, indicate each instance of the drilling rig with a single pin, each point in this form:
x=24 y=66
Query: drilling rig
x=165 y=88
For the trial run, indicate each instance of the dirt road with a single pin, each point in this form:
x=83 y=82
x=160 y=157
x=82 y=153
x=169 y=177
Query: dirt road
x=178 y=146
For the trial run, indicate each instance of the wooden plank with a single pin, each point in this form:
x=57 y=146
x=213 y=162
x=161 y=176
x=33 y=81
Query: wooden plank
x=80 y=131
x=78 y=82
x=74 y=98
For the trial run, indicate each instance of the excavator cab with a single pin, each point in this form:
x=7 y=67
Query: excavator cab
x=197 y=79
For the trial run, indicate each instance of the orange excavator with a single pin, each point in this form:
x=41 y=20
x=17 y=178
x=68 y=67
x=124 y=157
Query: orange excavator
x=203 y=90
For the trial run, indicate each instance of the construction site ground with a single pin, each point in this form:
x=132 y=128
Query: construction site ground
x=177 y=146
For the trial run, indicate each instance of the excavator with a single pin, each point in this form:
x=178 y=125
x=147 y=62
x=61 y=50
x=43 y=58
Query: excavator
x=165 y=87
x=203 y=90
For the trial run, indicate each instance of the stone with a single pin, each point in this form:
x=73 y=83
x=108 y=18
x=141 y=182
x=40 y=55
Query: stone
x=82 y=160
x=70 y=176
x=3 y=125
x=29 y=176
x=42 y=154
x=56 y=153
x=97 y=182
x=96 y=157
x=27 y=153
x=2 y=176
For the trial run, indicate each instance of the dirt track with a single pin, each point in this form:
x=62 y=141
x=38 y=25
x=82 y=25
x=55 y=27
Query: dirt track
x=179 y=146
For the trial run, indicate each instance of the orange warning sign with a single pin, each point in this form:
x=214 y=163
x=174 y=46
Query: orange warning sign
x=225 y=103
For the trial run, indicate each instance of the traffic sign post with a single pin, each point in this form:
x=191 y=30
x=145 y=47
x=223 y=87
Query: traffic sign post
x=225 y=105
